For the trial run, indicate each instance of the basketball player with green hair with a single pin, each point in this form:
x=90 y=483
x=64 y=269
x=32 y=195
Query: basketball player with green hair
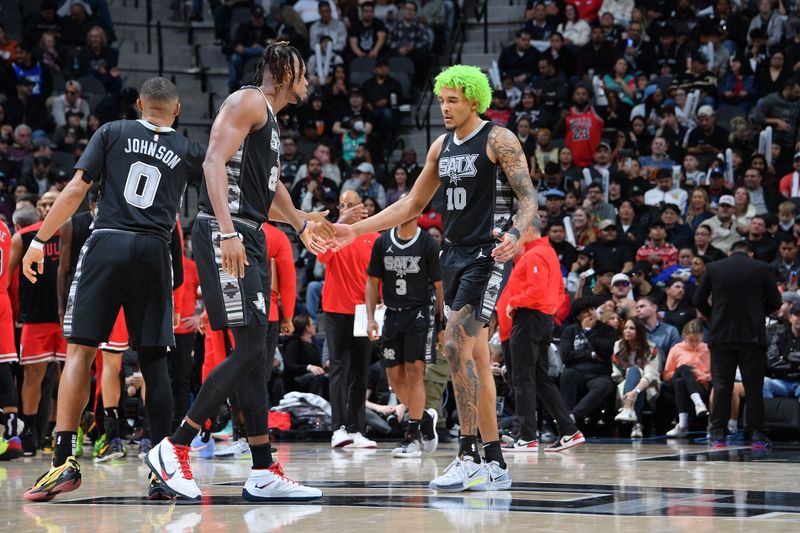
x=481 y=167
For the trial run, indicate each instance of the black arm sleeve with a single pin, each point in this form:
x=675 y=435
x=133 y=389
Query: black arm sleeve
x=177 y=259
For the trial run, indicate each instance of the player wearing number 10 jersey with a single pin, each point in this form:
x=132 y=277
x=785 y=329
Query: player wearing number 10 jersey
x=143 y=167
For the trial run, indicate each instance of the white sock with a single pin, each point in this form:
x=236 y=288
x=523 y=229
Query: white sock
x=697 y=399
x=683 y=420
x=733 y=425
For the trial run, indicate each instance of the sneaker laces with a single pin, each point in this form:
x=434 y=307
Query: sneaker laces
x=182 y=454
x=276 y=469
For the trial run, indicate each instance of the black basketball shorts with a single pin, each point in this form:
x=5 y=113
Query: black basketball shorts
x=471 y=277
x=232 y=302
x=121 y=268
x=408 y=336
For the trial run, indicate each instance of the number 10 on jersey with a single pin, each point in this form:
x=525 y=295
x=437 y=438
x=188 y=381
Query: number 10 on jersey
x=456 y=198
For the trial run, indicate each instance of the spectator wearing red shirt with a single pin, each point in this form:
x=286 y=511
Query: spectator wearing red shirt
x=583 y=127
x=657 y=247
x=537 y=291
x=588 y=10
x=283 y=285
x=180 y=362
x=787 y=186
x=345 y=282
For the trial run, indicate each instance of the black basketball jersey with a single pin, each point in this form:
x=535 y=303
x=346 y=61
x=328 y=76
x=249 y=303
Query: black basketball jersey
x=81 y=229
x=143 y=170
x=38 y=302
x=406 y=268
x=252 y=172
x=478 y=197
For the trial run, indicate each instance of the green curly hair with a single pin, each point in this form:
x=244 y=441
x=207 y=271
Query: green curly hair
x=469 y=79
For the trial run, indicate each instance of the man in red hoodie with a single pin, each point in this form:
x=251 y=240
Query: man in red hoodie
x=537 y=291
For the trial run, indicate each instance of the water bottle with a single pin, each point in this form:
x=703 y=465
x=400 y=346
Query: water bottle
x=393 y=100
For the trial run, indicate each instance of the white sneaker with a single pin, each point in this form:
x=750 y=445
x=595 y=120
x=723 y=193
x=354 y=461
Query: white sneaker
x=238 y=450
x=341 y=438
x=270 y=485
x=497 y=478
x=408 y=449
x=170 y=464
x=678 y=432
x=430 y=445
x=566 y=442
x=626 y=415
x=510 y=445
x=636 y=432
x=360 y=441
x=460 y=475
x=700 y=409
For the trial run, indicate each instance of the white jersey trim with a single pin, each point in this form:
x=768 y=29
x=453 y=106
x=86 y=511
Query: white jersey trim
x=409 y=243
x=459 y=142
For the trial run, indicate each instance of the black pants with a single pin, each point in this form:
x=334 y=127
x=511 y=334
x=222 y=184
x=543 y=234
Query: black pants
x=310 y=383
x=582 y=393
x=530 y=340
x=752 y=362
x=685 y=385
x=349 y=369
x=180 y=374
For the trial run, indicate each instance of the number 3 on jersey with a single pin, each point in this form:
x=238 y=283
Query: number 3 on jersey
x=456 y=198
x=142 y=184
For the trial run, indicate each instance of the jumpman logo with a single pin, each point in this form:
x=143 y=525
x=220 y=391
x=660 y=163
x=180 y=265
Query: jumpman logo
x=446 y=148
x=419 y=314
x=389 y=250
x=480 y=255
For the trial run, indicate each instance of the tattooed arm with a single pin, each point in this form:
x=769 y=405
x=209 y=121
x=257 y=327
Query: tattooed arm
x=505 y=150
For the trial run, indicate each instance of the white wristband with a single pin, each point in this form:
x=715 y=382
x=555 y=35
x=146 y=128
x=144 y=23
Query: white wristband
x=36 y=245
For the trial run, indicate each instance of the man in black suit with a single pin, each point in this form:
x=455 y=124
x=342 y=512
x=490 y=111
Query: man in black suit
x=737 y=293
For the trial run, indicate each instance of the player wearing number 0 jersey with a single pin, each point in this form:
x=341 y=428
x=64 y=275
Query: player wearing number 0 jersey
x=143 y=168
x=405 y=262
x=479 y=165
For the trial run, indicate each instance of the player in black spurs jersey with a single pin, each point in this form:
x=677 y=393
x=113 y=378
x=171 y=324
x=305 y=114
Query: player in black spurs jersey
x=143 y=167
x=242 y=190
x=405 y=260
x=478 y=165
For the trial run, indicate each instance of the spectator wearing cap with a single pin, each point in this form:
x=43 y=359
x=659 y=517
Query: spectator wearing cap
x=409 y=38
x=698 y=77
x=658 y=158
x=668 y=54
x=702 y=243
x=765 y=200
x=586 y=348
x=367 y=36
x=663 y=335
x=249 y=41
x=737 y=335
x=640 y=281
x=678 y=234
x=622 y=294
x=594 y=203
x=656 y=248
x=364 y=184
x=781 y=111
x=499 y=113
x=583 y=127
x=25 y=108
x=328 y=26
x=783 y=360
x=717 y=187
x=70 y=101
x=763 y=246
x=382 y=94
x=567 y=254
x=707 y=137
x=554 y=203
x=723 y=224
x=610 y=250
x=664 y=192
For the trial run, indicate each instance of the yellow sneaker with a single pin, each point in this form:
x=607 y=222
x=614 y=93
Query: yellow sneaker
x=64 y=478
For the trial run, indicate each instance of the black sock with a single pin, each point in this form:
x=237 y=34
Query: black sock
x=468 y=445
x=30 y=422
x=493 y=452
x=414 y=430
x=262 y=455
x=205 y=434
x=184 y=434
x=2 y=418
x=111 y=422
x=65 y=446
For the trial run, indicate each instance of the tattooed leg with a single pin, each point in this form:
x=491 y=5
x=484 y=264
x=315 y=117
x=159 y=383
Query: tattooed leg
x=459 y=341
x=487 y=399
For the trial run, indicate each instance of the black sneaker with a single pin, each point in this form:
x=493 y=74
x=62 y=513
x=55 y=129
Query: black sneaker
x=157 y=490
x=29 y=442
x=759 y=441
x=111 y=450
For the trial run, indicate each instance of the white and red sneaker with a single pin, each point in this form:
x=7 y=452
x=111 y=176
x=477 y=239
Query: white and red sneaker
x=519 y=445
x=170 y=464
x=270 y=485
x=566 y=442
x=341 y=438
x=360 y=441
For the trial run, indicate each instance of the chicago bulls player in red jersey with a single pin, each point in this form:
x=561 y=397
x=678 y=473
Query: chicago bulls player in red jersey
x=584 y=127
x=8 y=355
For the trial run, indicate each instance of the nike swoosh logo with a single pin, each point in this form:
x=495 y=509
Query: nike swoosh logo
x=198 y=448
x=164 y=474
x=265 y=485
